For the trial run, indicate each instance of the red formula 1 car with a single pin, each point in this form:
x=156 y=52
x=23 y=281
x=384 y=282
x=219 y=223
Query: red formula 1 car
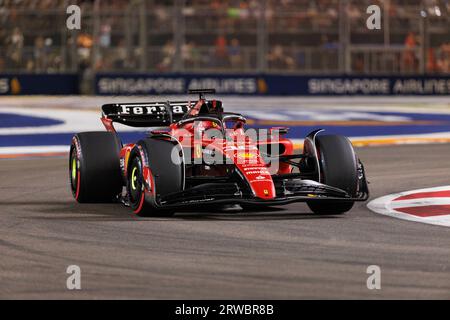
x=197 y=154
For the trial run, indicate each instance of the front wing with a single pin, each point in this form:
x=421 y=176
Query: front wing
x=287 y=191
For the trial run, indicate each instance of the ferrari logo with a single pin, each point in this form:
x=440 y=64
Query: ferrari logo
x=266 y=192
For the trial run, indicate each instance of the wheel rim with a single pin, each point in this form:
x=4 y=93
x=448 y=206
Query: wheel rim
x=134 y=179
x=135 y=182
x=74 y=168
x=73 y=171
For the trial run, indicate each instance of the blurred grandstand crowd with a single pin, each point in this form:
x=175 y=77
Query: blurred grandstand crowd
x=303 y=36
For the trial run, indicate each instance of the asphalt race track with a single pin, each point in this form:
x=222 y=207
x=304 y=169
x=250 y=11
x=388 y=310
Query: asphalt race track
x=284 y=253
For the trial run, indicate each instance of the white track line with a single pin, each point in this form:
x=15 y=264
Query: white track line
x=34 y=150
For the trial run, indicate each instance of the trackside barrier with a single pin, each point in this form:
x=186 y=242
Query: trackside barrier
x=42 y=84
x=245 y=84
x=237 y=84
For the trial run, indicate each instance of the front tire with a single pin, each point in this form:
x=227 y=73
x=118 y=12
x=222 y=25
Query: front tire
x=338 y=168
x=163 y=176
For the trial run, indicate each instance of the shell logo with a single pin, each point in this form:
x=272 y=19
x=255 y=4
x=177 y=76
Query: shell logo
x=16 y=88
x=246 y=155
x=262 y=86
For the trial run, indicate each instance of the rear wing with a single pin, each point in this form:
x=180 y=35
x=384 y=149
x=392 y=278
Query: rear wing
x=153 y=114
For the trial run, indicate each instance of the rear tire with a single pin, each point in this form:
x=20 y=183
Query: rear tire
x=166 y=177
x=339 y=168
x=95 y=175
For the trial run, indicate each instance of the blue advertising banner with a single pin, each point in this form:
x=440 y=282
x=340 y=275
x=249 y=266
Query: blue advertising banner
x=244 y=84
x=45 y=84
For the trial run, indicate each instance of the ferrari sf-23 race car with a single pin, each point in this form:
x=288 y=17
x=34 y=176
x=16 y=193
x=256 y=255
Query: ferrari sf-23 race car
x=195 y=154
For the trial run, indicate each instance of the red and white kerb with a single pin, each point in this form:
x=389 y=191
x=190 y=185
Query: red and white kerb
x=430 y=205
